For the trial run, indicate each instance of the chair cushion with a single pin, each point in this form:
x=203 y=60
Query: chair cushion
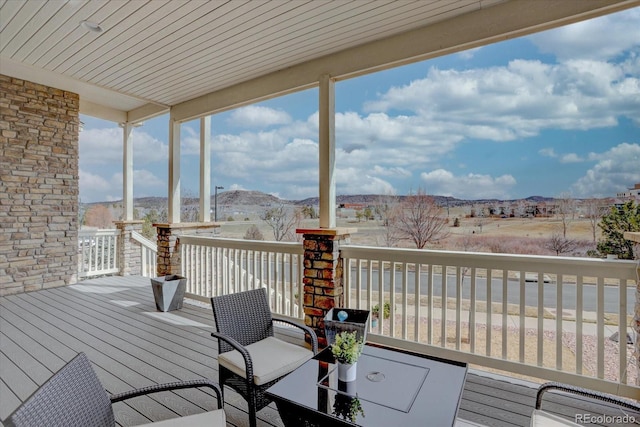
x=271 y=357
x=206 y=419
x=545 y=419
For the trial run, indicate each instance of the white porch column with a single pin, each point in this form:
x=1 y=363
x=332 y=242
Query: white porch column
x=174 y=172
x=127 y=171
x=205 y=169
x=327 y=149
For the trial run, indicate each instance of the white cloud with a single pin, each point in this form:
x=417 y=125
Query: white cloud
x=548 y=152
x=93 y=187
x=516 y=101
x=616 y=170
x=571 y=158
x=255 y=116
x=471 y=186
x=602 y=38
x=104 y=146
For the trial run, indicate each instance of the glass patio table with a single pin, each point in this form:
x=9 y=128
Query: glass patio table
x=392 y=388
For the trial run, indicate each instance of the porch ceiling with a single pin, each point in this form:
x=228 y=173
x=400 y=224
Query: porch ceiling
x=205 y=56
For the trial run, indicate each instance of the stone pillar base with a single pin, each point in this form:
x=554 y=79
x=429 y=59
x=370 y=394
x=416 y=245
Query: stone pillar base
x=129 y=258
x=323 y=288
x=168 y=258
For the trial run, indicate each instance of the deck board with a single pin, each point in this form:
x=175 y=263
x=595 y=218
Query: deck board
x=114 y=321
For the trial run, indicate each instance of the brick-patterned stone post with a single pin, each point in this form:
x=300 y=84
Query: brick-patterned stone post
x=323 y=287
x=129 y=254
x=168 y=258
x=635 y=237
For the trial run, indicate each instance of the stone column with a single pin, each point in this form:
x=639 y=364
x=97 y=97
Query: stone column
x=635 y=237
x=129 y=258
x=323 y=274
x=168 y=258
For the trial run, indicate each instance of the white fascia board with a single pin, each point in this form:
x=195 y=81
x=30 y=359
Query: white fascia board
x=146 y=112
x=102 y=112
x=502 y=21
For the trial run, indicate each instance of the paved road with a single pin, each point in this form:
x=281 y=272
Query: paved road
x=611 y=293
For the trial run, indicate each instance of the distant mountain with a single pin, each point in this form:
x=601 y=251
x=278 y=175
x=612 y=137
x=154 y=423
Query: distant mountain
x=259 y=199
x=247 y=198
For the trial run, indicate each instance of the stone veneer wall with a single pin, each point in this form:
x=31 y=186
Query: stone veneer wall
x=323 y=275
x=38 y=186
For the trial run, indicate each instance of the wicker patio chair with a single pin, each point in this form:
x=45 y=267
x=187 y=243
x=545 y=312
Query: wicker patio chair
x=547 y=419
x=74 y=397
x=250 y=358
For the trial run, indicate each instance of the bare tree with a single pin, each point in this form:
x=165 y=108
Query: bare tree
x=560 y=244
x=253 y=233
x=387 y=209
x=283 y=221
x=566 y=211
x=420 y=219
x=98 y=216
x=594 y=211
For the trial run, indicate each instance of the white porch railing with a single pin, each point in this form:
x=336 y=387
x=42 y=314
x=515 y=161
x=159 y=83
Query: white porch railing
x=97 y=252
x=148 y=254
x=217 y=266
x=546 y=317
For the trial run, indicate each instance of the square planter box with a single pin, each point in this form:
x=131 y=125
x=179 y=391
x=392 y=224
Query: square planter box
x=168 y=291
x=357 y=320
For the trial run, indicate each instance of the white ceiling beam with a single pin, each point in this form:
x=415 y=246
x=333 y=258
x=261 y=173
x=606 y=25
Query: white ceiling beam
x=496 y=23
x=102 y=112
x=146 y=112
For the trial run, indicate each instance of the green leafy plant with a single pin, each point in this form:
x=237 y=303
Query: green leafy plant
x=375 y=311
x=347 y=407
x=347 y=348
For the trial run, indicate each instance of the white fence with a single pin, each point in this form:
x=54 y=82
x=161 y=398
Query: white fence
x=148 y=254
x=547 y=317
x=97 y=252
x=216 y=266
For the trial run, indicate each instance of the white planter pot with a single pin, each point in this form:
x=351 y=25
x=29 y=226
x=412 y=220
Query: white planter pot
x=347 y=372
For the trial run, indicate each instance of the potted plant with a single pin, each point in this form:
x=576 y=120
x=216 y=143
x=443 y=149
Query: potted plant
x=347 y=349
x=347 y=407
x=375 y=313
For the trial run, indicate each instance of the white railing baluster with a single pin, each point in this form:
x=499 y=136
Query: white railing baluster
x=489 y=331
x=579 y=325
x=540 y=331
x=559 y=307
x=622 y=331
x=505 y=312
x=97 y=253
x=472 y=311
x=514 y=299
x=522 y=335
x=600 y=328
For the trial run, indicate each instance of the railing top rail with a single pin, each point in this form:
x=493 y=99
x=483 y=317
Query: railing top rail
x=144 y=241
x=254 y=245
x=566 y=265
x=99 y=232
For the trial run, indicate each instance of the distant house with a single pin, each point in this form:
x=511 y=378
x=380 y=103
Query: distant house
x=632 y=194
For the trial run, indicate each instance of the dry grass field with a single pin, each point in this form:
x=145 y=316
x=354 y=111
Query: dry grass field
x=505 y=235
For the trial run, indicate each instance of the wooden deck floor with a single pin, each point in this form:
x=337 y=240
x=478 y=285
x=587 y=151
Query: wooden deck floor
x=114 y=321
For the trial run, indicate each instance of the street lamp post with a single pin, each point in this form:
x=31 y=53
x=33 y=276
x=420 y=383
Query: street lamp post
x=215 y=202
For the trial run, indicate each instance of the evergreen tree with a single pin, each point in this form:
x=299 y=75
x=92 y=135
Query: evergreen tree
x=614 y=225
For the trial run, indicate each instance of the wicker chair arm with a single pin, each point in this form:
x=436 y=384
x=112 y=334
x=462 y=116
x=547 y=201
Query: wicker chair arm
x=168 y=387
x=248 y=363
x=305 y=328
x=586 y=393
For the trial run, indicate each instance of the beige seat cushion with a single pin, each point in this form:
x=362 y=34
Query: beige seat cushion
x=206 y=419
x=540 y=418
x=272 y=358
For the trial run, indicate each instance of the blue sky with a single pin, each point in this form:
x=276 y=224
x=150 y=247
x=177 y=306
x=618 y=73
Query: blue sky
x=549 y=114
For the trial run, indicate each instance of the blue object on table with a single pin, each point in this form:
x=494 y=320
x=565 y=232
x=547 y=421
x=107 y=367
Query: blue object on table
x=342 y=315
